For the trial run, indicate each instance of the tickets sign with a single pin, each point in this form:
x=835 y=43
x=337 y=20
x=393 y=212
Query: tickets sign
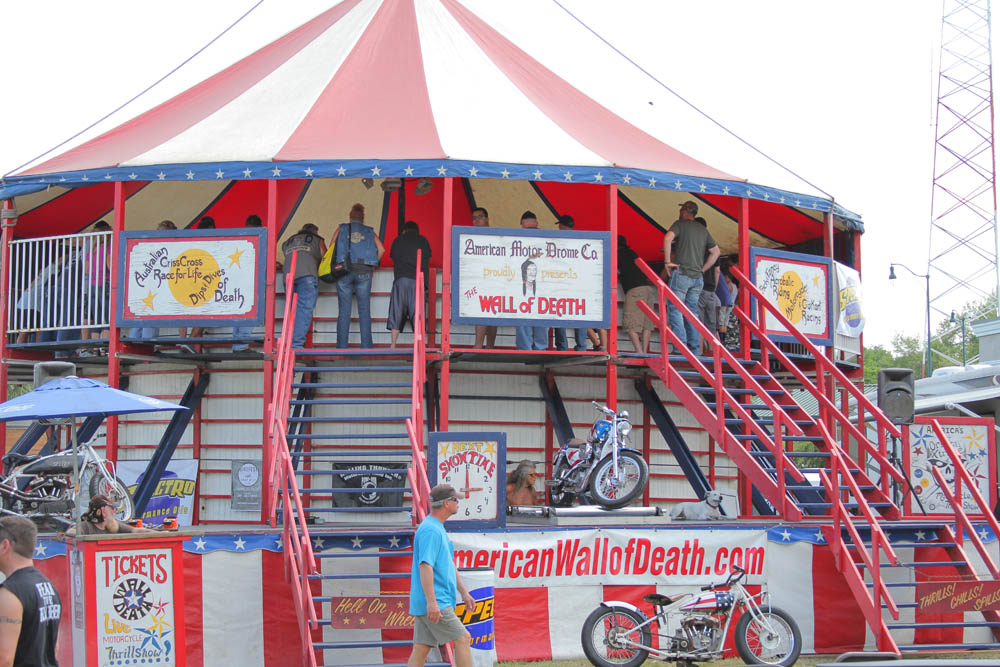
x=530 y=277
x=800 y=286
x=200 y=277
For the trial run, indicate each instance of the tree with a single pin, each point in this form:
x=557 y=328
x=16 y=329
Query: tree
x=906 y=352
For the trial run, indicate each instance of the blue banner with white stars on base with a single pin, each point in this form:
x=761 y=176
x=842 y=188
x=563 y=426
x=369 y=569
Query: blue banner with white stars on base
x=901 y=534
x=203 y=544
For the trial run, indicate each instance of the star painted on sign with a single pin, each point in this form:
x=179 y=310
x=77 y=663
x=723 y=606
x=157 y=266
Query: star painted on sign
x=703 y=188
x=219 y=174
x=442 y=170
x=786 y=536
x=599 y=177
x=983 y=535
x=408 y=171
x=235 y=258
x=318 y=543
x=347 y=621
x=133 y=176
x=815 y=280
x=190 y=175
x=278 y=545
x=247 y=172
x=678 y=184
x=376 y=171
x=505 y=173
x=473 y=172
x=309 y=172
x=341 y=171
x=199 y=544
x=161 y=176
x=920 y=535
x=148 y=300
x=356 y=543
x=40 y=549
x=652 y=182
x=393 y=542
x=537 y=174
x=399 y=605
x=161 y=606
x=568 y=176
x=491 y=448
x=240 y=543
x=276 y=172
x=626 y=179
x=133 y=599
x=819 y=536
x=725 y=190
x=361 y=620
x=159 y=624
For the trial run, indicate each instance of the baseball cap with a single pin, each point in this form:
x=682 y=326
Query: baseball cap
x=565 y=221
x=690 y=207
x=441 y=493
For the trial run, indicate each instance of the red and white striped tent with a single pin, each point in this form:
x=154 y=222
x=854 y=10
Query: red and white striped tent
x=407 y=89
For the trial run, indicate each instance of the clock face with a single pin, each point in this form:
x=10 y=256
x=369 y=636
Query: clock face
x=473 y=466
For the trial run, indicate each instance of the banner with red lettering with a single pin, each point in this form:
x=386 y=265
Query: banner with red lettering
x=530 y=277
x=620 y=557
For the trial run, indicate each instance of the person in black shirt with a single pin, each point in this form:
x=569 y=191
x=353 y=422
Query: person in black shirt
x=402 y=301
x=30 y=607
x=637 y=288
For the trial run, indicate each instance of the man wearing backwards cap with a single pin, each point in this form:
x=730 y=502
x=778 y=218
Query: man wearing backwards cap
x=435 y=585
x=696 y=253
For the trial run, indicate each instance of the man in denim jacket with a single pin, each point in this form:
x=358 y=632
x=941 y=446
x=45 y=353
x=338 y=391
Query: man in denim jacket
x=357 y=246
x=311 y=248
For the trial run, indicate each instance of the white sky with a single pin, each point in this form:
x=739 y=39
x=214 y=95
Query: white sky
x=841 y=91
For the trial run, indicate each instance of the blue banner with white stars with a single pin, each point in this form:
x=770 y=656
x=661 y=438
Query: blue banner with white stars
x=897 y=534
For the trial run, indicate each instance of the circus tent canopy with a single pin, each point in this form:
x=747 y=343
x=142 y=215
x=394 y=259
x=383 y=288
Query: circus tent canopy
x=384 y=88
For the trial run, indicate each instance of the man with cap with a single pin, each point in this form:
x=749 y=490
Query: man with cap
x=566 y=222
x=310 y=248
x=435 y=585
x=696 y=252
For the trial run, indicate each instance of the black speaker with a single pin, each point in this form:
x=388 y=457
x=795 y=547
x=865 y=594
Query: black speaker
x=896 y=394
x=49 y=370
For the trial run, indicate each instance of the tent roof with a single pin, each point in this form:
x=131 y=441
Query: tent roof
x=401 y=88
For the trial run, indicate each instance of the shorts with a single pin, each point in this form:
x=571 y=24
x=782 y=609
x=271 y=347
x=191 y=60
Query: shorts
x=401 y=304
x=448 y=629
x=708 y=303
x=635 y=319
x=724 y=312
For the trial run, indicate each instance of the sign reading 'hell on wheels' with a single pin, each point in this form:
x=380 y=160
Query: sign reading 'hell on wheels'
x=192 y=277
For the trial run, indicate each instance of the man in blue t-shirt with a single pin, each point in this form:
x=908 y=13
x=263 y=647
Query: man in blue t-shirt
x=435 y=585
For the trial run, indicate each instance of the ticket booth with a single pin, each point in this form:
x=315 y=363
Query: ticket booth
x=127 y=599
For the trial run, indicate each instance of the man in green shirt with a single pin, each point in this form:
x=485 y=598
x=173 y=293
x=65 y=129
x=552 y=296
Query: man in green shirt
x=684 y=268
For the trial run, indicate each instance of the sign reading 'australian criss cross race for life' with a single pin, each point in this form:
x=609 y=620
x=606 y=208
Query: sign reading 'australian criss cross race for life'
x=203 y=277
x=523 y=277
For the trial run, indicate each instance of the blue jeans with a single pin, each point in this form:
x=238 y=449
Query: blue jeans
x=241 y=332
x=563 y=344
x=352 y=284
x=532 y=338
x=307 y=289
x=143 y=332
x=687 y=290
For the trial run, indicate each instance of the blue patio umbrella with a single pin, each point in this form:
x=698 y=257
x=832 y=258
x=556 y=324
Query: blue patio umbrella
x=70 y=397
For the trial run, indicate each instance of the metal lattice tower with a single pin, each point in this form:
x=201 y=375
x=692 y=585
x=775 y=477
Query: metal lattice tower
x=962 y=260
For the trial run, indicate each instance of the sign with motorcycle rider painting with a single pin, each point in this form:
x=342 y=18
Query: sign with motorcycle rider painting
x=973 y=438
x=192 y=277
x=530 y=277
x=619 y=557
x=174 y=494
x=800 y=286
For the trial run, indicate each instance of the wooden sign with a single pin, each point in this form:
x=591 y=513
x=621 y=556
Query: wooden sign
x=373 y=613
x=801 y=287
x=942 y=596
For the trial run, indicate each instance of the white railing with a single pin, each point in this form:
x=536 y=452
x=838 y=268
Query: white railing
x=59 y=282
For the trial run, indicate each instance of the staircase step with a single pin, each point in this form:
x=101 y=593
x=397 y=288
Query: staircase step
x=345 y=436
x=352 y=352
x=351 y=401
x=680 y=359
x=796 y=438
x=920 y=545
x=380 y=490
x=792 y=454
x=341 y=471
x=379 y=575
x=370 y=644
x=943 y=624
x=314 y=510
x=758 y=406
x=349 y=385
x=770 y=422
x=333 y=420
x=378 y=554
x=740 y=392
x=372 y=452
x=943 y=563
x=847 y=505
x=353 y=369
x=695 y=375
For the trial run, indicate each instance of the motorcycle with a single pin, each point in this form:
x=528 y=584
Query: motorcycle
x=41 y=488
x=602 y=469
x=618 y=634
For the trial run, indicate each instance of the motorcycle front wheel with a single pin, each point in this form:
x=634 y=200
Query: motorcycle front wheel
x=772 y=638
x=559 y=496
x=606 y=636
x=611 y=493
x=117 y=492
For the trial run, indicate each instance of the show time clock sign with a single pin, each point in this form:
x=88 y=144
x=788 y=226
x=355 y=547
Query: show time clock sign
x=475 y=464
x=801 y=286
x=193 y=277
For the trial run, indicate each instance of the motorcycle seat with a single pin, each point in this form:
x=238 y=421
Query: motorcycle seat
x=661 y=600
x=16 y=459
x=57 y=464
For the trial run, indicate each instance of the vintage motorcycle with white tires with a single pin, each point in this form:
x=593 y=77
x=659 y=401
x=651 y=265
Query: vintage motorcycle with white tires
x=618 y=634
x=41 y=488
x=602 y=469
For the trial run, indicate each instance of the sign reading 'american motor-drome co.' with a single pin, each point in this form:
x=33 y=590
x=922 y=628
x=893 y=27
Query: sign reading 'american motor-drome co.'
x=530 y=277
x=203 y=277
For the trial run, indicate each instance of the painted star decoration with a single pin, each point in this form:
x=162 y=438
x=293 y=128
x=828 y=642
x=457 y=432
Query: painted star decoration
x=148 y=300
x=199 y=544
x=786 y=536
x=235 y=258
x=40 y=549
x=393 y=542
x=240 y=544
x=356 y=543
x=318 y=543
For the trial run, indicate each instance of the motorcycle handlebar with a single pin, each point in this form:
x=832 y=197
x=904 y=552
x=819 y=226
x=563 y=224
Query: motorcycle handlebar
x=603 y=408
x=733 y=577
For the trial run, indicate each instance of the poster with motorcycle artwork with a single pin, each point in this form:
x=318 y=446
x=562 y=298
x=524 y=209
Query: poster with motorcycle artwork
x=973 y=438
x=174 y=493
x=530 y=277
x=801 y=287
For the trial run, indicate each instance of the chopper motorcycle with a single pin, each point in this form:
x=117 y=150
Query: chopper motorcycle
x=618 y=634
x=602 y=469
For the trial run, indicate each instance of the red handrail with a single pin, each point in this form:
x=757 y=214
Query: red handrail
x=961 y=517
x=420 y=489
